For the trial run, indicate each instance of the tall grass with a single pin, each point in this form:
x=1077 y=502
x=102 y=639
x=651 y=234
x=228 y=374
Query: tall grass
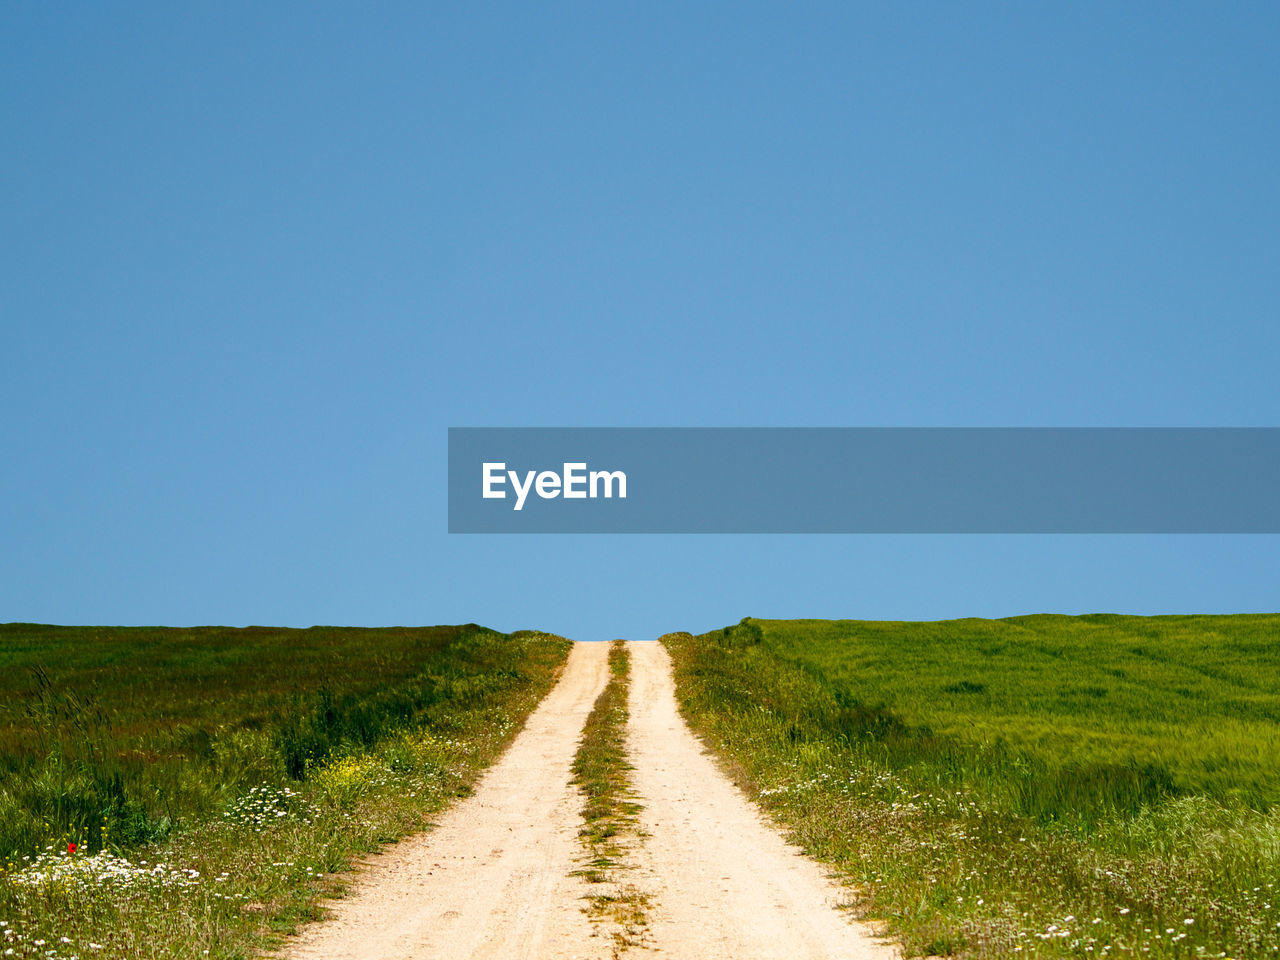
x=120 y=735
x=986 y=805
x=205 y=824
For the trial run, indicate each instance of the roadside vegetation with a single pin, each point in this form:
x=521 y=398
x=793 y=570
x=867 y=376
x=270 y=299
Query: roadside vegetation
x=1043 y=786
x=601 y=770
x=195 y=793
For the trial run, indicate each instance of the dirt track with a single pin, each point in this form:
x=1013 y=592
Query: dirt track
x=724 y=883
x=493 y=879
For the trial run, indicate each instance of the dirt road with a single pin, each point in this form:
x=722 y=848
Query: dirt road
x=723 y=882
x=493 y=880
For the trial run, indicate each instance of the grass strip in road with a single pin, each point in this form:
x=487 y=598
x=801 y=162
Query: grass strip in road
x=180 y=825
x=609 y=814
x=1143 y=829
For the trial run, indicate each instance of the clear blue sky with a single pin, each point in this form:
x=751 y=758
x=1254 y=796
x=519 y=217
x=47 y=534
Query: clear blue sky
x=255 y=262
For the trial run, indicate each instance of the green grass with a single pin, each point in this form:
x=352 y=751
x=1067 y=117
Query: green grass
x=1038 y=786
x=601 y=770
x=1195 y=701
x=252 y=764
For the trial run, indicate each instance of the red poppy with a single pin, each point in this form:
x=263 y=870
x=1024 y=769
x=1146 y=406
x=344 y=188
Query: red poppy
x=71 y=848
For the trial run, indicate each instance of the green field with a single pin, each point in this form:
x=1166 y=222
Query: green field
x=213 y=779
x=1190 y=704
x=1038 y=786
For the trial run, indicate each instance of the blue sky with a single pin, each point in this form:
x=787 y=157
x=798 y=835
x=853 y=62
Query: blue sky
x=256 y=261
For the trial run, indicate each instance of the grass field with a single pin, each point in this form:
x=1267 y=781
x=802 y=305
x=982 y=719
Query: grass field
x=1039 y=786
x=213 y=780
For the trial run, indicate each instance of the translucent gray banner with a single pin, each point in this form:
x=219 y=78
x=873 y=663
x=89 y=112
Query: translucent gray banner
x=864 y=480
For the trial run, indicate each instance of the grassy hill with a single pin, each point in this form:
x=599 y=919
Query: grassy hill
x=1191 y=702
x=165 y=792
x=1036 y=786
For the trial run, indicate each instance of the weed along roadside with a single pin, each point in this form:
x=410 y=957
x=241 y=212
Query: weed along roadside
x=600 y=769
x=1041 y=786
x=177 y=793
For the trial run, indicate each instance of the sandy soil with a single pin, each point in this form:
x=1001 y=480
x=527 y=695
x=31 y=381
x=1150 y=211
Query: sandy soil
x=722 y=880
x=493 y=879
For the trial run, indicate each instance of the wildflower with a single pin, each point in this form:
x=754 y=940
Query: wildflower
x=71 y=848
